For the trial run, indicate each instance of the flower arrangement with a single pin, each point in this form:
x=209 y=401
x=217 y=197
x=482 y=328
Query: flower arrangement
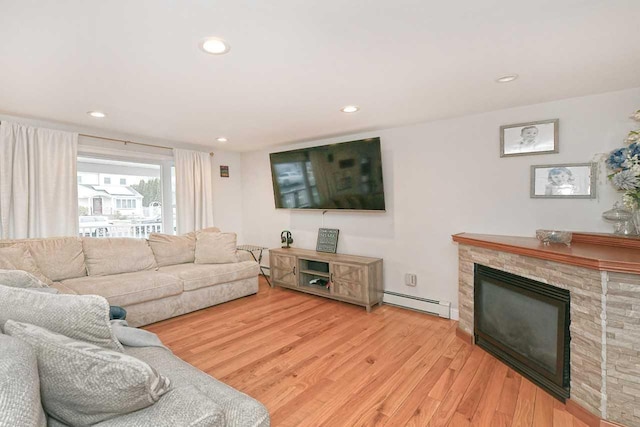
x=625 y=164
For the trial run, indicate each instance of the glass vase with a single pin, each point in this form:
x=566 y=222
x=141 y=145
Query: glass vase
x=636 y=219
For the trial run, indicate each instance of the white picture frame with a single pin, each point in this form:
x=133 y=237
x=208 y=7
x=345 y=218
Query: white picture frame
x=564 y=181
x=523 y=139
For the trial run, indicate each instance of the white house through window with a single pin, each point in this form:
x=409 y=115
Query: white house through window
x=120 y=210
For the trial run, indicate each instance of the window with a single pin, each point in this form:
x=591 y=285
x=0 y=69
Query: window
x=135 y=210
x=127 y=204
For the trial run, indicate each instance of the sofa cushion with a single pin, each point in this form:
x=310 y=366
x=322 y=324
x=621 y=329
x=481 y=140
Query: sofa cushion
x=215 y=248
x=59 y=258
x=185 y=407
x=82 y=317
x=83 y=384
x=18 y=257
x=128 y=288
x=19 y=385
x=171 y=250
x=196 y=276
x=240 y=410
x=20 y=279
x=117 y=255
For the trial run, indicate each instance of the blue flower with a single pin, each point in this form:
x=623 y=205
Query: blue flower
x=634 y=149
x=617 y=158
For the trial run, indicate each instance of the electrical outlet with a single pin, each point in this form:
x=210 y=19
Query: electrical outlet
x=410 y=279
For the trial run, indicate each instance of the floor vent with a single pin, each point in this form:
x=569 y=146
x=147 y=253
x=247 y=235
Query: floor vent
x=430 y=306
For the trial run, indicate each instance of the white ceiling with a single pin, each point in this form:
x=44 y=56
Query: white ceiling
x=293 y=64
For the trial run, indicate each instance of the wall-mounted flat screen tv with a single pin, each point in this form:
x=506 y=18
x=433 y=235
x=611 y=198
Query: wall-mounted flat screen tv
x=336 y=176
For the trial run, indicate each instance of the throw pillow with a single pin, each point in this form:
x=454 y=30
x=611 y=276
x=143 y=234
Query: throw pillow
x=20 y=279
x=82 y=317
x=59 y=258
x=19 y=385
x=83 y=384
x=208 y=230
x=172 y=250
x=19 y=258
x=215 y=248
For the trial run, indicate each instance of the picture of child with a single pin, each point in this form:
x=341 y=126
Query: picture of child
x=529 y=141
x=564 y=181
x=529 y=138
x=561 y=182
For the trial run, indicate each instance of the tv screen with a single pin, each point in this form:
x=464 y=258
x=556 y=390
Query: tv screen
x=336 y=176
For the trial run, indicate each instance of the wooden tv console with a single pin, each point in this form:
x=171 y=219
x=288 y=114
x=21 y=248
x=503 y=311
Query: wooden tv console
x=348 y=278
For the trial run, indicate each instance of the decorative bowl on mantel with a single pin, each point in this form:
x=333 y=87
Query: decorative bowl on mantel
x=554 y=236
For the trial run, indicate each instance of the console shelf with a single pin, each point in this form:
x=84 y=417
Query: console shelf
x=315 y=273
x=348 y=278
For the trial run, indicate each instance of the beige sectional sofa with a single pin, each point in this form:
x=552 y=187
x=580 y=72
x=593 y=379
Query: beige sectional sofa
x=153 y=279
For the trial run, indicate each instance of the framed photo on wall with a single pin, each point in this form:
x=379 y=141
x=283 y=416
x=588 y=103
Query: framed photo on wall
x=523 y=139
x=564 y=181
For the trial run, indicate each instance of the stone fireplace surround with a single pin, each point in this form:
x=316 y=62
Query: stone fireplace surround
x=602 y=273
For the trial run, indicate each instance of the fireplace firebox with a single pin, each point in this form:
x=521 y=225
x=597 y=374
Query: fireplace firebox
x=525 y=323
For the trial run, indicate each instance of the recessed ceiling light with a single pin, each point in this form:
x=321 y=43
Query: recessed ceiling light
x=97 y=114
x=214 y=46
x=506 y=79
x=350 y=109
x=222 y=139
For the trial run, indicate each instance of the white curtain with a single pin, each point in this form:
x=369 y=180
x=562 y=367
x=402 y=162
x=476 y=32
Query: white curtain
x=194 y=190
x=38 y=182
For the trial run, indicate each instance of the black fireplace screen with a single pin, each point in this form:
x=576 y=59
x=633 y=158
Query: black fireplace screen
x=526 y=324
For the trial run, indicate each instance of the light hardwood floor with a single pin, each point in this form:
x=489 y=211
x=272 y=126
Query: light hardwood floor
x=313 y=361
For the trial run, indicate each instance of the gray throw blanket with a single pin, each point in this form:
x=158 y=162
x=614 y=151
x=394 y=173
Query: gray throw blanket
x=134 y=337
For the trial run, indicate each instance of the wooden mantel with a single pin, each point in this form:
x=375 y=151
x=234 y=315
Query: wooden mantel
x=590 y=250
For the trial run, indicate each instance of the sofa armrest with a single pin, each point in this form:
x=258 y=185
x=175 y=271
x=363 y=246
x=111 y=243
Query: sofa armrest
x=184 y=406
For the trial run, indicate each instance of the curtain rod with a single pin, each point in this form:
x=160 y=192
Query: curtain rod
x=125 y=142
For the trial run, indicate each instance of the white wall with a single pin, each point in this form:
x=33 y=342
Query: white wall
x=447 y=177
x=227 y=193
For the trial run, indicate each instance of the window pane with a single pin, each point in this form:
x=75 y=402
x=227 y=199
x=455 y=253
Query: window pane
x=119 y=210
x=173 y=197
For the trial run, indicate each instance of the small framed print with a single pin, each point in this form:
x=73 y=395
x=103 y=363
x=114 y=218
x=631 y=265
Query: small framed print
x=523 y=139
x=224 y=171
x=327 y=240
x=564 y=181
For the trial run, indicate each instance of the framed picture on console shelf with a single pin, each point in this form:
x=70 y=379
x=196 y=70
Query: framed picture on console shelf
x=523 y=139
x=564 y=181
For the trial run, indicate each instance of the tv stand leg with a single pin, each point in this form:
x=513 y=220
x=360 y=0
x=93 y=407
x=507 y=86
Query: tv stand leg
x=368 y=309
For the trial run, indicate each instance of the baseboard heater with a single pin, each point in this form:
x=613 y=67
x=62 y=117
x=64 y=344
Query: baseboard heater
x=430 y=306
